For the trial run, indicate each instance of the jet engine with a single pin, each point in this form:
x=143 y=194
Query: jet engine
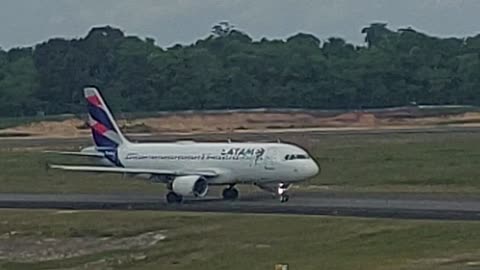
x=190 y=185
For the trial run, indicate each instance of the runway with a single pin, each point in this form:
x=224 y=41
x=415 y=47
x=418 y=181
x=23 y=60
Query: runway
x=315 y=203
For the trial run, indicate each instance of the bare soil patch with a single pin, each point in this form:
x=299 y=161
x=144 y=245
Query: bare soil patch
x=231 y=122
x=18 y=248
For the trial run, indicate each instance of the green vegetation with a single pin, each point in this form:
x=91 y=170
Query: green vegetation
x=230 y=70
x=409 y=162
x=26 y=171
x=445 y=163
x=227 y=241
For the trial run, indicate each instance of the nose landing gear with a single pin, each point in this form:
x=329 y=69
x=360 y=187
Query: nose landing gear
x=284 y=198
x=282 y=192
x=277 y=190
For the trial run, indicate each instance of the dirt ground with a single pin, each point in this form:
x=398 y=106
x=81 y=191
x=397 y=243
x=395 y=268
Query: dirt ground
x=37 y=249
x=245 y=121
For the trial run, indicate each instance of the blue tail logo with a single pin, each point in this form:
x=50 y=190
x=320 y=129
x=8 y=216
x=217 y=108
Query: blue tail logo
x=105 y=132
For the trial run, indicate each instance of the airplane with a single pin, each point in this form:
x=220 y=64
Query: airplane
x=188 y=168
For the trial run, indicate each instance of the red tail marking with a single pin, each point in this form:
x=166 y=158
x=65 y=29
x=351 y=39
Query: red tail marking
x=99 y=128
x=94 y=100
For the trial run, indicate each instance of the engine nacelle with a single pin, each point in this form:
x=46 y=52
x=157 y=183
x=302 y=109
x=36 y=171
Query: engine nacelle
x=190 y=185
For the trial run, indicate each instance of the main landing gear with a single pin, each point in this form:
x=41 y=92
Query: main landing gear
x=230 y=193
x=173 y=197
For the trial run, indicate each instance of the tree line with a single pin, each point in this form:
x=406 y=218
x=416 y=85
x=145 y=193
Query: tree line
x=230 y=70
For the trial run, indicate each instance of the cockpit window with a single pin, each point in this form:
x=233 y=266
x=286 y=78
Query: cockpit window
x=292 y=157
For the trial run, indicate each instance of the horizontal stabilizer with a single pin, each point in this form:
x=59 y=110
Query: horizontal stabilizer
x=78 y=154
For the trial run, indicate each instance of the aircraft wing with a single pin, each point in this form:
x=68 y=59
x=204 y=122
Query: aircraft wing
x=101 y=169
x=78 y=154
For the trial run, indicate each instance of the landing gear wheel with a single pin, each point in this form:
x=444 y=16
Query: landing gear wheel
x=230 y=194
x=173 y=197
x=282 y=192
x=284 y=198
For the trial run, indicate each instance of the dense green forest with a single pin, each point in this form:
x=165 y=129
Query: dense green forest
x=230 y=70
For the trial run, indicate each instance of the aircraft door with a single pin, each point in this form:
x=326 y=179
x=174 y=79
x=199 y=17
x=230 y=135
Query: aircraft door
x=270 y=159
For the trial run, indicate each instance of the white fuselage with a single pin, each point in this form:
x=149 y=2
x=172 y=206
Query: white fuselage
x=234 y=162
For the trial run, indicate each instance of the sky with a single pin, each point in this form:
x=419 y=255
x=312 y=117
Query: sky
x=29 y=22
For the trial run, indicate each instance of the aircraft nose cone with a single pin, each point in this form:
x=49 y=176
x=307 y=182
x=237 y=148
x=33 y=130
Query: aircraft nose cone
x=316 y=169
x=313 y=169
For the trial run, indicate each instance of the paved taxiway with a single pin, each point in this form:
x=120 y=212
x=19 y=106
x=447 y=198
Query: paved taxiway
x=385 y=206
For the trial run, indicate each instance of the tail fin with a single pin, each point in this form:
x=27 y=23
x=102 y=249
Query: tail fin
x=105 y=131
